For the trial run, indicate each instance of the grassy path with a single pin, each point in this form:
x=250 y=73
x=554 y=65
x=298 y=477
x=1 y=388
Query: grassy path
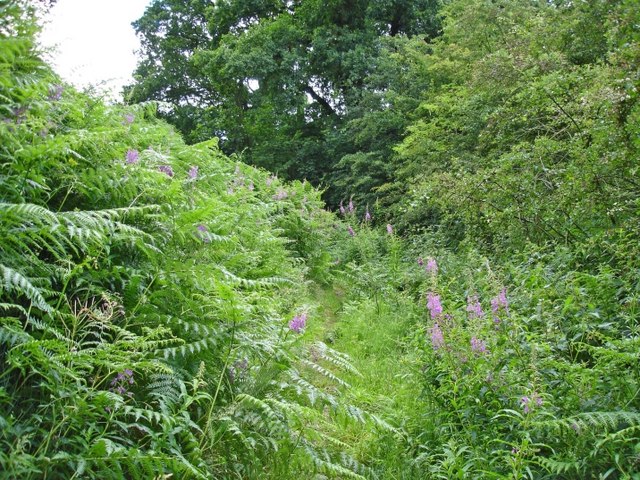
x=374 y=336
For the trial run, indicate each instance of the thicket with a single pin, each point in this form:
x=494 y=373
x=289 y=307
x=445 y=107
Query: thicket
x=147 y=289
x=505 y=121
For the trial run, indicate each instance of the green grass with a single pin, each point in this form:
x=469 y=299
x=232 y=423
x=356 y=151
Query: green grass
x=388 y=387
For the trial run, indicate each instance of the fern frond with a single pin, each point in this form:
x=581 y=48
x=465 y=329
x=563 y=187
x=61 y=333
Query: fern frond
x=304 y=388
x=328 y=467
x=150 y=415
x=165 y=387
x=12 y=335
x=324 y=372
x=14 y=281
x=339 y=359
x=594 y=422
x=557 y=466
x=249 y=283
x=188 y=348
x=270 y=421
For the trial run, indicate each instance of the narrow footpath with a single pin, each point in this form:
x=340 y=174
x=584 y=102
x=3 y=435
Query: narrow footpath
x=374 y=334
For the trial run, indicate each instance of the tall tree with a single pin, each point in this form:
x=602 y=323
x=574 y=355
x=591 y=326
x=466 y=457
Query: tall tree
x=283 y=81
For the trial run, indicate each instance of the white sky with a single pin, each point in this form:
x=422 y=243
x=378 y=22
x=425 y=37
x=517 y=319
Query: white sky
x=95 y=42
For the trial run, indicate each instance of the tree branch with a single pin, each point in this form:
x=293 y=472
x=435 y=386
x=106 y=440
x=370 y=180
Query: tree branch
x=323 y=103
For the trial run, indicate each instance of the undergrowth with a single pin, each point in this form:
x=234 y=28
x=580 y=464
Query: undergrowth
x=168 y=311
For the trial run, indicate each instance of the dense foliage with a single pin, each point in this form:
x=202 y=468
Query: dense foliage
x=515 y=132
x=146 y=293
x=167 y=311
x=530 y=130
x=296 y=86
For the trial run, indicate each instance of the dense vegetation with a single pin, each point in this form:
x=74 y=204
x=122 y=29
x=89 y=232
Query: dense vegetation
x=471 y=309
x=302 y=88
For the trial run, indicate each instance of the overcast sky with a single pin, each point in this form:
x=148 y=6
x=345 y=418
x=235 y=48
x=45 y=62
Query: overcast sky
x=95 y=41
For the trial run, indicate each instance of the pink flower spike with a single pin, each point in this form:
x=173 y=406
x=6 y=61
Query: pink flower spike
x=434 y=305
x=298 y=323
x=474 y=308
x=478 y=346
x=432 y=266
x=166 y=169
x=132 y=156
x=437 y=338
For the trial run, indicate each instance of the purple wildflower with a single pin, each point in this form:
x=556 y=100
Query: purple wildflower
x=420 y=261
x=203 y=233
x=527 y=402
x=389 y=229
x=55 y=93
x=478 y=346
x=432 y=266
x=193 y=172
x=367 y=215
x=495 y=308
x=250 y=186
x=281 y=195
x=242 y=364
x=437 y=338
x=499 y=302
x=269 y=180
x=120 y=382
x=132 y=156
x=351 y=232
x=128 y=119
x=342 y=210
x=298 y=322
x=351 y=206
x=166 y=169
x=474 y=308
x=434 y=305
x=502 y=296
